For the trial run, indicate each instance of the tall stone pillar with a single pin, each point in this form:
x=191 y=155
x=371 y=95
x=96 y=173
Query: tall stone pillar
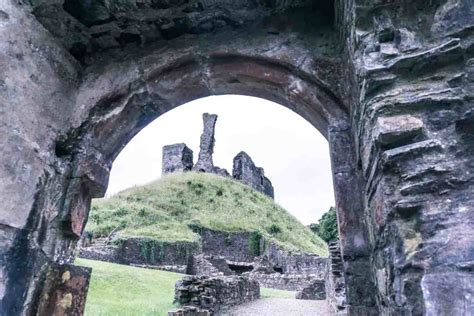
x=205 y=163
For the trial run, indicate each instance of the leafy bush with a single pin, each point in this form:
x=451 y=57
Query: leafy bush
x=327 y=226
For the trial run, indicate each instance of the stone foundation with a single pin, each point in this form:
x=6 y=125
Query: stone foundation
x=215 y=294
x=287 y=282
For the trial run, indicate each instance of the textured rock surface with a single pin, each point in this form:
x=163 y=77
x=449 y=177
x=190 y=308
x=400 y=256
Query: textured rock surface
x=335 y=280
x=287 y=282
x=177 y=158
x=316 y=290
x=205 y=163
x=245 y=171
x=80 y=78
x=65 y=290
x=215 y=294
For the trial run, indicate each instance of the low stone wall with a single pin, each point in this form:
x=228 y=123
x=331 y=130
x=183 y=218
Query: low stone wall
x=215 y=294
x=143 y=251
x=288 y=282
x=208 y=265
x=243 y=246
x=297 y=262
x=151 y=252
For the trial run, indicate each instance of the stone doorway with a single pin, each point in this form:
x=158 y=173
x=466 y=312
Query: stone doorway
x=389 y=83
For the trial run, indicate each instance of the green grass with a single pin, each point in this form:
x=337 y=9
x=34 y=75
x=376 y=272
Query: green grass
x=119 y=290
x=166 y=209
x=272 y=293
x=123 y=290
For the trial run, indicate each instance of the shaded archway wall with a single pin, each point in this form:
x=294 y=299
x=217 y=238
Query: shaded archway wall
x=411 y=65
x=67 y=123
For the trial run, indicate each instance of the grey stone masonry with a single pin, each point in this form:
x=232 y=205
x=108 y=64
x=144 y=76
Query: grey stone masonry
x=205 y=163
x=245 y=171
x=316 y=290
x=215 y=294
x=177 y=158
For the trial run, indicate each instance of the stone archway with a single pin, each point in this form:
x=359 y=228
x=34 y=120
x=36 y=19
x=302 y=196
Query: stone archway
x=389 y=83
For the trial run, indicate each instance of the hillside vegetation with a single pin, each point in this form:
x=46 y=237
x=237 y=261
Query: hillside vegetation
x=168 y=208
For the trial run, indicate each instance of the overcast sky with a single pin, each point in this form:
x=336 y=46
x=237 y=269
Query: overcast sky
x=293 y=153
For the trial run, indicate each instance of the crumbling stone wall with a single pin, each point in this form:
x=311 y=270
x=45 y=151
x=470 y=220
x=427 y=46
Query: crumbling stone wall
x=245 y=171
x=335 y=280
x=316 y=290
x=414 y=66
x=295 y=262
x=215 y=294
x=177 y=158
x=143 y=251
x=287 y=282
x=232 y=246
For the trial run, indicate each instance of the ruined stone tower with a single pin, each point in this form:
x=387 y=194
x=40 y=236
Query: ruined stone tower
x=179 y=158
x=246 y=172
x=205 y=163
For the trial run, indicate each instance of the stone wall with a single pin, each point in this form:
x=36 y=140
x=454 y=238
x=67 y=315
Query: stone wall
x=294 y=262
x=243 y=247
x=177 y=158
x=143 y=251
x=208 y=265
x=315 y=290
x=288 y=282
x=335 y=280
x=215 y=294
x=246 y=172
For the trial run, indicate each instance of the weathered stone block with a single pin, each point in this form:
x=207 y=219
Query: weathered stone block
x=215 y=294
x=177 y=158
x=65 y=291
x=397 y=129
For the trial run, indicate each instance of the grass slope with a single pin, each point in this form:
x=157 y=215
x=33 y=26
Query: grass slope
x=119 y=290
x=165 y=210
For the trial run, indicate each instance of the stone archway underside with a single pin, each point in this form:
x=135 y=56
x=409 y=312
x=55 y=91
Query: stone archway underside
x=389 y=84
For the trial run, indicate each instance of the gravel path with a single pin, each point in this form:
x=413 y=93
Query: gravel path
x=281 y=307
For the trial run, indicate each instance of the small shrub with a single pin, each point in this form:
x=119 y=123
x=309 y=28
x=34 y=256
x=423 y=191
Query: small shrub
x=274 y=229
x=254 y=243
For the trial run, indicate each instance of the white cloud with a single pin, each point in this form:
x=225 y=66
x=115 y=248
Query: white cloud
x=293 y=153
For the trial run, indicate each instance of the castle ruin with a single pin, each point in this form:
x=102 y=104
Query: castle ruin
x=179 y=158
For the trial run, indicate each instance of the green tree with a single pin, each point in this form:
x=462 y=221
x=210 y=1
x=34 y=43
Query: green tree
x=326 y=228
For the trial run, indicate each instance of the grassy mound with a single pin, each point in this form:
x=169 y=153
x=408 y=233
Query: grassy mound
x=166 y=210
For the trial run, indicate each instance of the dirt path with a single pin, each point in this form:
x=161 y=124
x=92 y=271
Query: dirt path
x=281 y=307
